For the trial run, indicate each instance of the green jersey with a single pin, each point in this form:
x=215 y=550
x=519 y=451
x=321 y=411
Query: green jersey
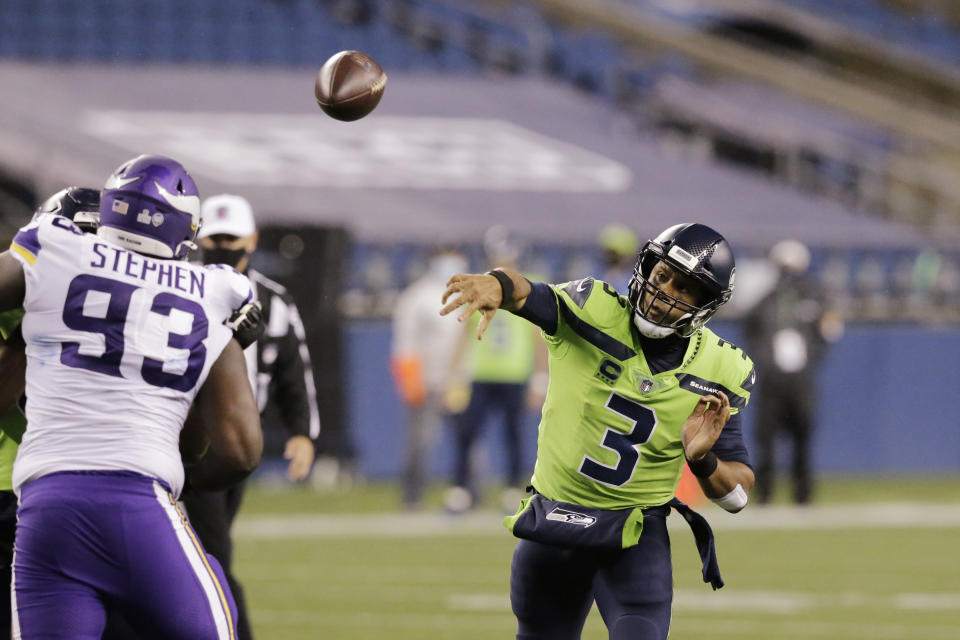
x=12 y=422
x=610 y=430
x=507 y=352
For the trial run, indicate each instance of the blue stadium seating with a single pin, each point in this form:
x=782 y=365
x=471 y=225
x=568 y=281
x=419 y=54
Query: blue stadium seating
x=429 y=35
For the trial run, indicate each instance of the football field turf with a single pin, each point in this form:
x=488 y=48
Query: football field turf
x=349 y=566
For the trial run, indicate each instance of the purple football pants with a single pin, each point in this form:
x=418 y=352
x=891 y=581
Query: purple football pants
x=91 y=541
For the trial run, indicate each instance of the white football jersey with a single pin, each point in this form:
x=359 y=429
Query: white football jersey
x=118 y=345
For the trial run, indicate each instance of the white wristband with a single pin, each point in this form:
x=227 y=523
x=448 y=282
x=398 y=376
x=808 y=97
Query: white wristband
x=733 y=501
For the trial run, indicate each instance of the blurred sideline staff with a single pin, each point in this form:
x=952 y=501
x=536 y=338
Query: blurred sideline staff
x=788 y=331
x=280 y=371
x=422 y=365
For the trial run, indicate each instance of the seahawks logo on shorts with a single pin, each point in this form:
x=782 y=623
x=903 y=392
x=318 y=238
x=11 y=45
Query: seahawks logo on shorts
x=571 y=517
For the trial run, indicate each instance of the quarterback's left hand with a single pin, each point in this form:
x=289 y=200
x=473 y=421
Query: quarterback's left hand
x=299 y=451
x=247 y=324
x=703 y=427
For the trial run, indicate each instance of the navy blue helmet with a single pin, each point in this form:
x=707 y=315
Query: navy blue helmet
x=80 y=204
x=696 y=251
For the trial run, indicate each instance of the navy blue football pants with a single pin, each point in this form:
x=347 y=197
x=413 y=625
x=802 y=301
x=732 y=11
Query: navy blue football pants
x=552 y=588
x=487 y=398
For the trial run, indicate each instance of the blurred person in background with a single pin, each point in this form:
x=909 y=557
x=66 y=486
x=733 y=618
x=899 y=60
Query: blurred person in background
x=637 y=386
x=279 y=369
x=788 y=331
x=422 y=363
x=618 y=253
x=507 y=374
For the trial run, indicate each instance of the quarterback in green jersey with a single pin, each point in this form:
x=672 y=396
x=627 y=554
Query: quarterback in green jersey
x=638 y=386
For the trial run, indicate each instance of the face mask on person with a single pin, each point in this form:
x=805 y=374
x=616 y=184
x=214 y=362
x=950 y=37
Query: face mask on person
x=220 y=255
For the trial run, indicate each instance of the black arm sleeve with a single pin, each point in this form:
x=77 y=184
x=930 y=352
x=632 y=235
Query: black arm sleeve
x=291 y=387
x=730 y=446
x=541 y=307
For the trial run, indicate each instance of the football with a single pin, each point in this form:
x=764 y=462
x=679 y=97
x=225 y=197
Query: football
x=349 y=85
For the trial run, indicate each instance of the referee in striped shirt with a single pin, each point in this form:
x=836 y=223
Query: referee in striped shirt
x=280 y=373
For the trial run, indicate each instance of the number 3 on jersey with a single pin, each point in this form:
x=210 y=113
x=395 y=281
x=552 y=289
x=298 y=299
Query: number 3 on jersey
x=111 y=327
x=625 y=444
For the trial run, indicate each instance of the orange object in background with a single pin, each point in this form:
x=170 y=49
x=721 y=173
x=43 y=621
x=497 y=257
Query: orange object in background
x=689 y=490
x=408 y=376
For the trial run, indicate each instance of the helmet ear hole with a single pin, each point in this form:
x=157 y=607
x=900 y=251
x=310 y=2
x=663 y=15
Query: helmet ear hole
x=179 y=186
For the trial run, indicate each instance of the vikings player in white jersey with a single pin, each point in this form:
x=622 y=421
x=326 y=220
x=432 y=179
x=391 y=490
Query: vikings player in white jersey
x=121 y=338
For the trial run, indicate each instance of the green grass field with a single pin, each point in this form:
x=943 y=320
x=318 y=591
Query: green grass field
x=347 y=565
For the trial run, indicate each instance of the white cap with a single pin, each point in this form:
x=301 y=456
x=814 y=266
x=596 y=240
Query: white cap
x=226 y=214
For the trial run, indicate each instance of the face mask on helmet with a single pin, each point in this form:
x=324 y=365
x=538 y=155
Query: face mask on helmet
x=693 y=256
x=151 y=205
x=79 y=204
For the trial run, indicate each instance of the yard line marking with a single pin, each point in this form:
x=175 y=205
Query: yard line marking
x=355 y=620
x=377 y=525
x=839 y=516
x=709 y=625
x=801 y=629
x=478 y=601
x=766 y=518
x=767 y=601
x=928 y=601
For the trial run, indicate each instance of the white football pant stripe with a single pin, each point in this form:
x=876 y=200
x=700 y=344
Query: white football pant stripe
x=15 y=618
x=193 y=551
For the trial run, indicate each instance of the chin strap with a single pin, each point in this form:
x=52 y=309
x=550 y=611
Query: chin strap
x=650 y=329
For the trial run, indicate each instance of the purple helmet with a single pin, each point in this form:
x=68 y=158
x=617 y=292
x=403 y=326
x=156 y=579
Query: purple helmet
x=151 y=205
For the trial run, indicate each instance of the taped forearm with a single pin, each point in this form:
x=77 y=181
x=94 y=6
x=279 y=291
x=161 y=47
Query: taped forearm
x=733 y=501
